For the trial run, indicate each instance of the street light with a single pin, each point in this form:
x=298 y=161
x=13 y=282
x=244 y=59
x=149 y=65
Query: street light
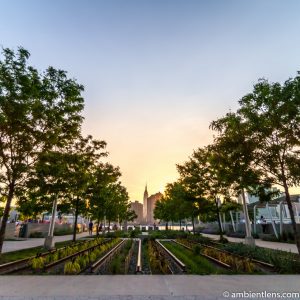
x=249 y=240
x=49 y=242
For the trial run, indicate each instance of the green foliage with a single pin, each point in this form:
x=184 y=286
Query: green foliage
x=196 y=249
x=38 y=111
x=82 y=261
x=284 y=262
x=63 y=232
x=71 y=268
x=116 y=265
x=36 y=234
x=200 y=239
x=157 y=262
x=168 y=234
x=37 y=263
x=92 y=256
x=260 y=143
x=195 y=264
x=135 y=233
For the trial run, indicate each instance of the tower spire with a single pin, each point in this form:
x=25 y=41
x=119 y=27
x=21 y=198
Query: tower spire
x=145 y=200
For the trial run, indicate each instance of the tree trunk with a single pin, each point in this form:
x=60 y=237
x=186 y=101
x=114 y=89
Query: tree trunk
x=166 y=225
x=97 y=229
x=180 y=225
x=108 y=226
x=6 y=214
x=219 y=221
x=75 y=220
x=290 y=207
x=193 y=223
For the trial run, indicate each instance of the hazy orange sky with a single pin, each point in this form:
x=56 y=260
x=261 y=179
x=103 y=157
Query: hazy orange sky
x=156 y=73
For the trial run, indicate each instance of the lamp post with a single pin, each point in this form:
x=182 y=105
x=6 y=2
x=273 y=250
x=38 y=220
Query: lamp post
x=49 y=242
x=249 y=240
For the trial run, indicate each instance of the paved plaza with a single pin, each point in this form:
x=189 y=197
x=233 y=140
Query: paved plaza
x=35 y=242
x=9 y=246
x=272 y=245
x=146 y=287
x=140 y=287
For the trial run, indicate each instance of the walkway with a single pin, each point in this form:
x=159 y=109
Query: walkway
x=142 y=287
x=265 y=244
x=9 y=246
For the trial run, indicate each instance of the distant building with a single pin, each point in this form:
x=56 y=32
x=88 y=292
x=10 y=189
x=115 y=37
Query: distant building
x=145 y=204
x=255 y=199
x=138 y=209
x=151 y=201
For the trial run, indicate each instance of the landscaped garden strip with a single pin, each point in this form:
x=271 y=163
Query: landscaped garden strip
x=158 y=263
x=195 y=264
x=284 y=262
x=118 y=263
x=85 y=259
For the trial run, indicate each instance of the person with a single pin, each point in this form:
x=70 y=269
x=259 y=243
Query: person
x=91 y=228
x=263 y=223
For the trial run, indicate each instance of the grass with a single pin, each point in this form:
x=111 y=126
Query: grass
x=195 y=264
x=145 y=257
x=117 y=265
x=26 y=253
x=284 y=262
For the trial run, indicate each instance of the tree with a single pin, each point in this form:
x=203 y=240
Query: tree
x=163 y=210
x=271 y=116
x=116 y=204
x=81 y=158
x=178 y=196
x=37 y=113
x=103 y=175
x=200 y=176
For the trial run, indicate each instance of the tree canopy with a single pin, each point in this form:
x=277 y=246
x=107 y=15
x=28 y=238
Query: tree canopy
x=38 y=111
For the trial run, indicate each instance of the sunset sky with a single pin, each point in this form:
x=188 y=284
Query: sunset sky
x=156 y=73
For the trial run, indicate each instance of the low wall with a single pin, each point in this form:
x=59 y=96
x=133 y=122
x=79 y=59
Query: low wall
x=240 y=227
x=42 y=229
x=10 y=230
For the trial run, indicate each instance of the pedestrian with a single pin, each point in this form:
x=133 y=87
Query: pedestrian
x=91 y=228
x=263 y=223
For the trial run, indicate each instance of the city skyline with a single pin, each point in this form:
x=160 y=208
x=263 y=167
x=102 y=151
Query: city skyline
x=156 y=73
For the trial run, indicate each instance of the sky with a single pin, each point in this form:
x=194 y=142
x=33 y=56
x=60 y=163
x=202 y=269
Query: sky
x=156 y=72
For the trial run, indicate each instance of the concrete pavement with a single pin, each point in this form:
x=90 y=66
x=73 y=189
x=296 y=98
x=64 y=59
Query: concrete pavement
x=265 y=244
x=9 y=246
x=35 y=242
x=151 y=287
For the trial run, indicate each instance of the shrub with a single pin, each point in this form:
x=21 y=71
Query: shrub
x=63 y=232
x=196 y=249
x=37 y=234
x=71 y=268
x=236 y=234
x=92 y=256
x=116 y=265
x=199 y=239
x=284 y=262
x=37 y=263
x=168 y=234
x=269 y=237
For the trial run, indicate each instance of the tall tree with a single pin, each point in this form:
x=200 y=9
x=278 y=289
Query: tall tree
x=37 y=112
x=182 y=203
x=200 y=176
x=271 y=115
x=163 y=210
x=83 y=155
x=103 y=175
